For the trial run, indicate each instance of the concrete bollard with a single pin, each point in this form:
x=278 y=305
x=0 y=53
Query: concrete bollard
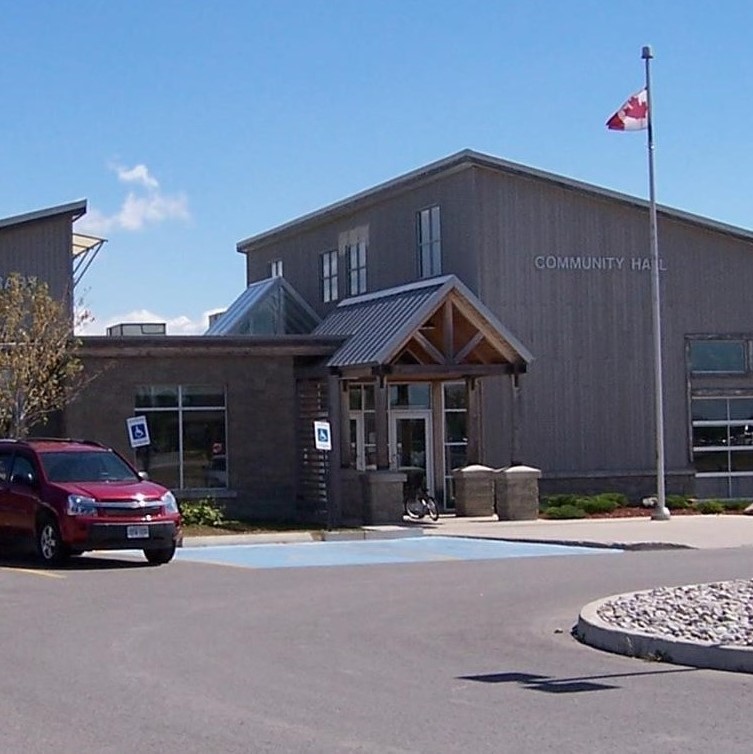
x=474 y=491
x=516 y=493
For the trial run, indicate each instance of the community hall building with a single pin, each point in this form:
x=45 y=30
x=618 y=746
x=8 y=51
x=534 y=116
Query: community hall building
x=471 y=311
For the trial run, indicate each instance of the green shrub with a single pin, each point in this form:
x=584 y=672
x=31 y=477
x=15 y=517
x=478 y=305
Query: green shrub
x=677 y=502
x=596 y=504
x=736 y=505
x=710 y=506
x=556 y=501
x=204 y=512
x=565 y=511
x=618 y=498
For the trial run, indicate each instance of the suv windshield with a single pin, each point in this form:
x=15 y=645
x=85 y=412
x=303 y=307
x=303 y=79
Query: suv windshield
x=86 y=466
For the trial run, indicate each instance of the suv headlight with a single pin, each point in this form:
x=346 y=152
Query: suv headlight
x=170 y=503
x=78 y=505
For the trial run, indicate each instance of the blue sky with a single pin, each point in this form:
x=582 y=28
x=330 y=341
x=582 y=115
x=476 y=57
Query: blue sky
x=190 y=125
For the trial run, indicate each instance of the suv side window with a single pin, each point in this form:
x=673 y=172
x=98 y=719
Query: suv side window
x=23 y=471
x=6 y=458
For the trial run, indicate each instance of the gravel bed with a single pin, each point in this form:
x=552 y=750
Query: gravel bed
x=718 y=613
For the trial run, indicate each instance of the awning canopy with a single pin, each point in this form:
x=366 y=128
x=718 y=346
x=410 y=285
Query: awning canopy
x=434 y=328
x=84 y=249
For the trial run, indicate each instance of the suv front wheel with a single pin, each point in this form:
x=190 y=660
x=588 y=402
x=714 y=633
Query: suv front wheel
x=50 y=547
x=161 y=555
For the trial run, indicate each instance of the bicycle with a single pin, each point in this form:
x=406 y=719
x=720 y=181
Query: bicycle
x=417 y=502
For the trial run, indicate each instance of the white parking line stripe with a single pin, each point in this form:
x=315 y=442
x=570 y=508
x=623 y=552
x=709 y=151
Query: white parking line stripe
x=33 y=571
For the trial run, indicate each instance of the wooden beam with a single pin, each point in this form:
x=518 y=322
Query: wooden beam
x=381 y=422
x=448 y=332
x=473 y=400
x=334 y=462
x=433 y=352
x=449 y=371
x=465 y=351
x=346 y=459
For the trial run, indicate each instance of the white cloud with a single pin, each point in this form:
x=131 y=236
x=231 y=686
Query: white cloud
x=144 y=206
x=180 y=325
x=138 y=211
x=137 y=174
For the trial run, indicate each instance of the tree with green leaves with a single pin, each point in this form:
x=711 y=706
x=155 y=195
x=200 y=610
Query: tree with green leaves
x=40 y=371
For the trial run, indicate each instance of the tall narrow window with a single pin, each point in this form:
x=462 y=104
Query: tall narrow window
x=356 y=268
x=429 y=243
x=275 y=268
x=455 y=435
x=328 y=274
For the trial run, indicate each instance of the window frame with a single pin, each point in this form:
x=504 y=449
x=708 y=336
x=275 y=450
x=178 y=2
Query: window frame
x=182 y=408
x=329 y=276
x=729 y=446
x=275 y=268
x=744 y=344
x=429 y=250
x=357 y=254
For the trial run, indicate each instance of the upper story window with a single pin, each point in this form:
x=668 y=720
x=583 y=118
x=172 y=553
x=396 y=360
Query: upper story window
x=718 y=356
x=275 y=268
x=429 y=242
x=356 y=254
x=328 y=275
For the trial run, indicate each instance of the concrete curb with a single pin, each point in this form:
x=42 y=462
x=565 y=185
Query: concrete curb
x=569 y=542
x=595 y=632
x=292 y=537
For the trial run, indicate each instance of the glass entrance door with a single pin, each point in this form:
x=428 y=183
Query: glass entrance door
x=411 y=443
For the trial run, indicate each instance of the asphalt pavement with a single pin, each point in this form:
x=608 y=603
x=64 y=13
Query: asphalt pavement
x=699 y=532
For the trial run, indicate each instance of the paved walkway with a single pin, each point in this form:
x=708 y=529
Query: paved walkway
x=698 y=532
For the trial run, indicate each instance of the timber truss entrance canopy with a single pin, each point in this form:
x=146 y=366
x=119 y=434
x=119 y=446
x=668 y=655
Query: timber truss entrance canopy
x=432 y=329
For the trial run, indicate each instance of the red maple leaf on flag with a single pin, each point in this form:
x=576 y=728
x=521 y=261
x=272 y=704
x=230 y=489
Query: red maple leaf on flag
x=633 y=115
x=635 y=108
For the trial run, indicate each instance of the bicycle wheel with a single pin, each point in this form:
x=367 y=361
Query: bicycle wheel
x=431 y=506
x=414 y=508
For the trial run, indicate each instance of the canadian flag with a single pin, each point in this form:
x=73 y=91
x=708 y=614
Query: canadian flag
x=633 y=115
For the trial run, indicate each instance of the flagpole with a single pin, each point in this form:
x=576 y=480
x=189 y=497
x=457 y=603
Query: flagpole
x=660 y=511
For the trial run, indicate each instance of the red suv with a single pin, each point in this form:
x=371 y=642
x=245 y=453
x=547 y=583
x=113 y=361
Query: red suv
x=69 y=496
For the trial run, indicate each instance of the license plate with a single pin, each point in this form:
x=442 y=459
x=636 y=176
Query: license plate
x=137 y=532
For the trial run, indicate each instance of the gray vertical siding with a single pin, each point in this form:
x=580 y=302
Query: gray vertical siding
x=589 y=396
x=392 y=249
x=587 y=404
x=41 y=248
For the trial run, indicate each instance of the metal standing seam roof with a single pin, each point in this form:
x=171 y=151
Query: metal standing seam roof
x=75 y=210
x=378 y=324
x=458 y=161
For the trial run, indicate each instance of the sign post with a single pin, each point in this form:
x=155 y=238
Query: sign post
x=323 y=441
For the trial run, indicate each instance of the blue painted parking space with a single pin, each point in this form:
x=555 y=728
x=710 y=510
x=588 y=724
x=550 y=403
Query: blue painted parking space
x=372 y=552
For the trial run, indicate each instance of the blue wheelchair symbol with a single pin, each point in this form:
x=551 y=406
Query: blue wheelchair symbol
x=323 y=435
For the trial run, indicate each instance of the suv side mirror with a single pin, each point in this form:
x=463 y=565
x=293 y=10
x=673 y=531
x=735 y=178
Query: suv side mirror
x=143 y=475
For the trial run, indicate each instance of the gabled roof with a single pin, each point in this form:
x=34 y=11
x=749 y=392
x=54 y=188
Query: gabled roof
x=74 y=209
x=431 y=324
x=267 y=307
x=464 y=160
